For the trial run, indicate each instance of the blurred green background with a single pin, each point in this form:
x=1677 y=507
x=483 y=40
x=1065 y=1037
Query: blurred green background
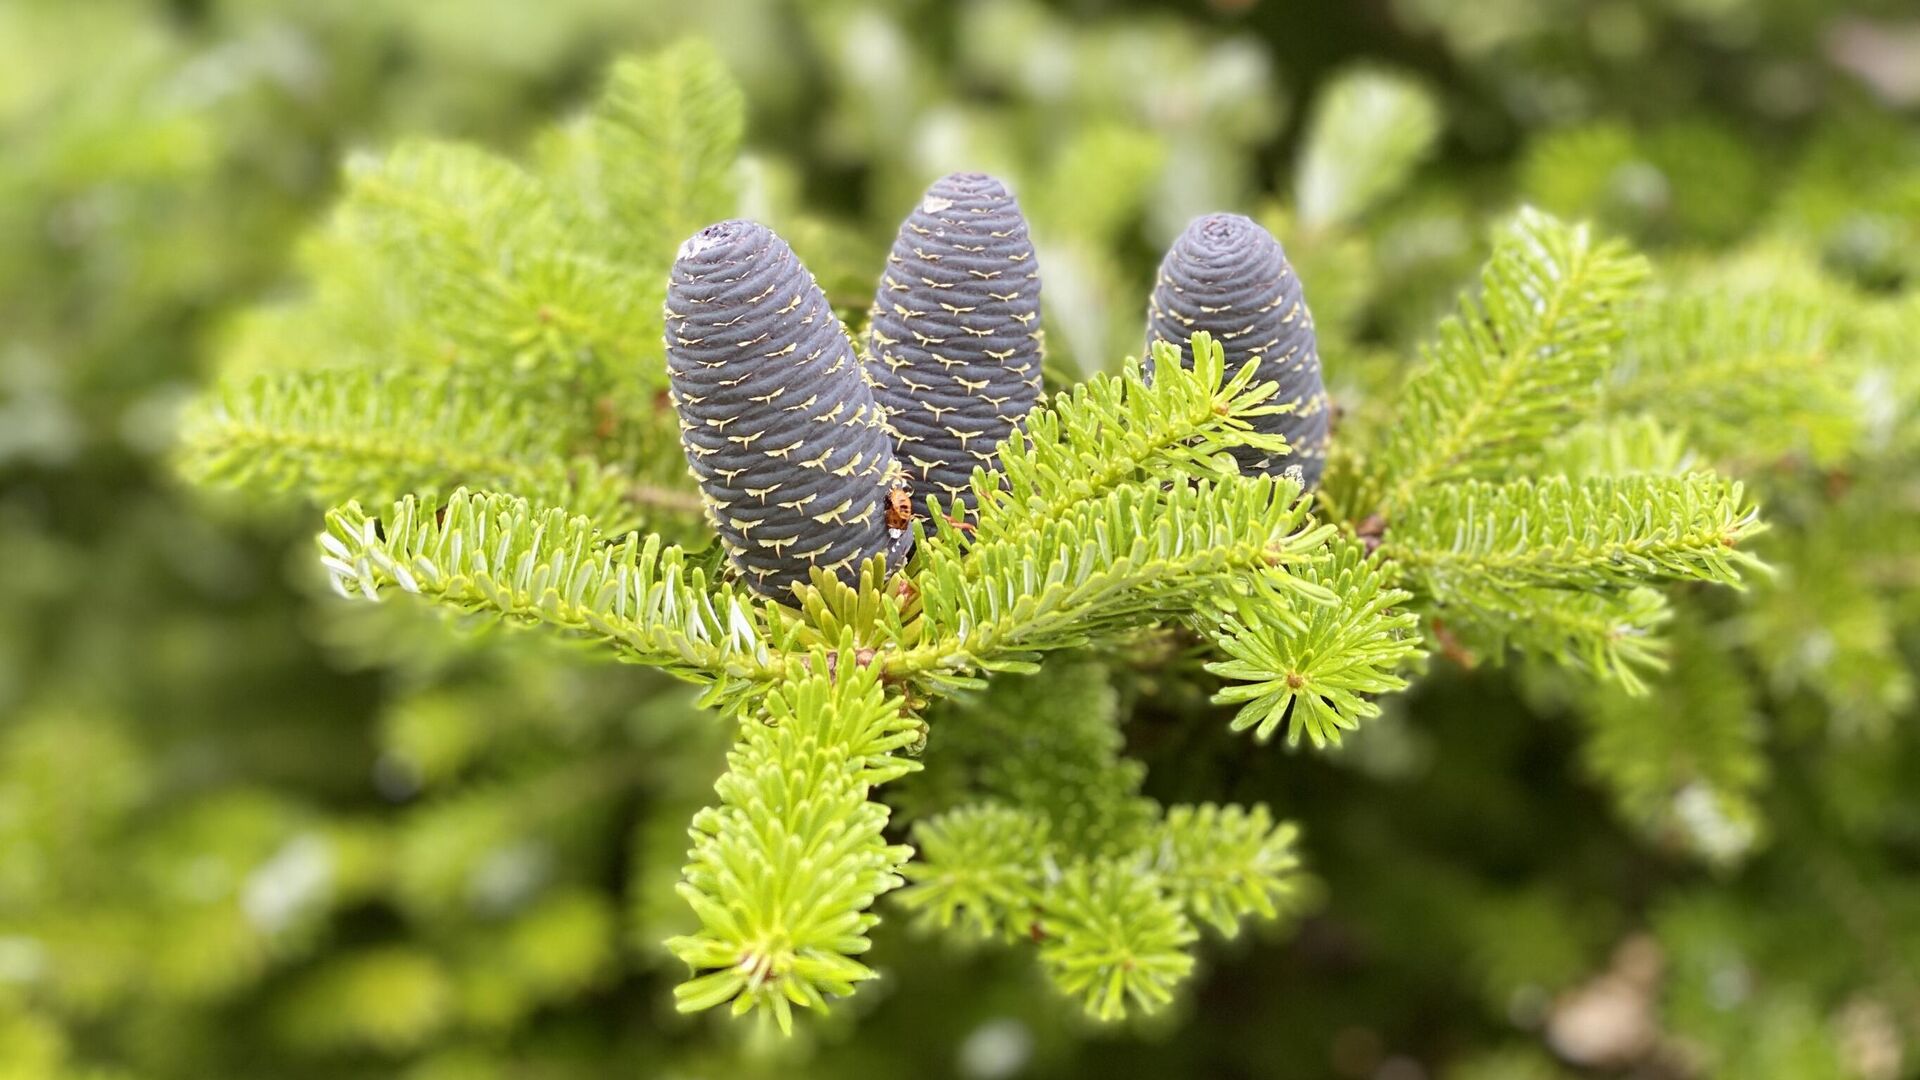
x=245 y=832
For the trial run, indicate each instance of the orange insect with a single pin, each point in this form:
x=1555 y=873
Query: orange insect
x=899 y=507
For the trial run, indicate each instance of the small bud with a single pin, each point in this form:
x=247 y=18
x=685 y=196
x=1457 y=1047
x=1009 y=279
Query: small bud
x=791 y=452
x=1228 y=276
x=954 y=345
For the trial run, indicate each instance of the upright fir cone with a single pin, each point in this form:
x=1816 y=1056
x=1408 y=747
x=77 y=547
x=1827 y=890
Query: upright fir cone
x=954 y=344
x=792 y=454
x=1228 y=276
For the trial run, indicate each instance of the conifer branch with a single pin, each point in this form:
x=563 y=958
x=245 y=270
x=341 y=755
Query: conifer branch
x=661 y=151
x=1610 y=635
x=1747 y=375
x=783 y=871
x=332 y=435
x=1048 y=742
x=1471 y=542
x=1116 y=429
x=1134 y=556
x=1510 y=369
x=1224 y=863
x=1113 y=923
x=477 y=243
x=1319 y=676
x=497 y=554
x=1683 y=765
x=978 y=872
x=1111 y=937
x=1617 y=446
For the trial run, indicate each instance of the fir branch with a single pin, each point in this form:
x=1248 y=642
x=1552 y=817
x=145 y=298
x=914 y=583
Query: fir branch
x=1049 y=742
x=332 y=435
x=1113 y=927
x=663 y=142
x=477 y=244
x=1617 y=446
x=1684 y=765
x=1222 y=863
x=1318 y=677
x=1610 y=635
x=783 y=871
x=1368 y=131
x=1116 y=429
x=1136 y=555
x=1749 y=375
x=978 y=871
x=497 y=554
x=1509 y=370
x=1113 y=939
x=1468 y=543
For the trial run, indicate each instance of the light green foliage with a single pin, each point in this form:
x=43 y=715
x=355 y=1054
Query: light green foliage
x=1513 y=367
x=497 y=554
x=472 y=374
x=1719 y=957
x=1222 y=863
x=241 y=822
x=1747 y=374
x=1617 y=446
x=656 y=162
x=499 y=326
x=1470 y=540
x=1368 y=130
x=1109 y=936
x=976 y=874
x=1829 y=622
x=1685 y=177
x=783 y=870
x=1611 y=635
x=1049 y=743
x=388 y=998
x=1320 y=676
x=1684 y=765
x=1064 y=825
x=1117 y=511
x=1124 y=550
x=336 y=435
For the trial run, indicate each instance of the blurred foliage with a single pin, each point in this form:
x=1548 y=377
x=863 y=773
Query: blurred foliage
x=242 y=833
